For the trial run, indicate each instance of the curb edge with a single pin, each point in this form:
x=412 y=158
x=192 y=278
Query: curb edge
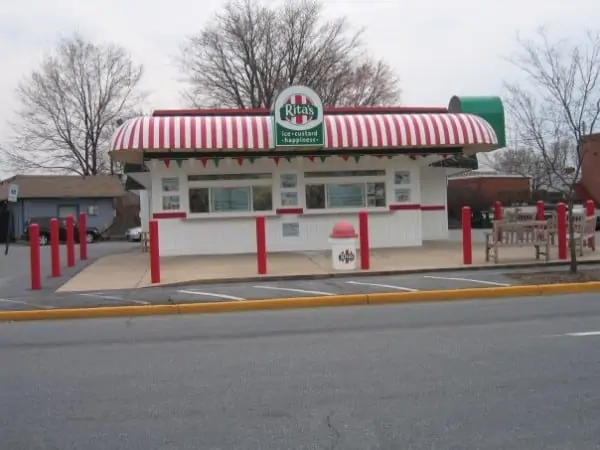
x=302 y=302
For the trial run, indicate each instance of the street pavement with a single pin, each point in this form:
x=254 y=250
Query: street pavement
x=258 y=290
x=511 y=374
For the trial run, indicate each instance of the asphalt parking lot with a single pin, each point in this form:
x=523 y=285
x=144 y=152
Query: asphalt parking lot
x=14 y=266
x=265 y=290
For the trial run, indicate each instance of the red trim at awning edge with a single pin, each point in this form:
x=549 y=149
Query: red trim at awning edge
x=170 y=215
x=289 y=211
x=229 y=112
x=415 y=207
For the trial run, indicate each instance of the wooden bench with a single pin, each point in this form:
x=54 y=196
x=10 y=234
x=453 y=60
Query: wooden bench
x=510 y=233
x=584 y=230
x=519 y=216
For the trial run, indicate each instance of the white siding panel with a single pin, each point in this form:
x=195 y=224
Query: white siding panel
x=212 y=235
x=434 y=193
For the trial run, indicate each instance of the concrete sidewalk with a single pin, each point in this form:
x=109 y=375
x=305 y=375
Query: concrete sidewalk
x=131 y=270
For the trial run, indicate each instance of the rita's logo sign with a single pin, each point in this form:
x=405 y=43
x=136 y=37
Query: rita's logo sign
x=298 y=118
x=347 y=256
x=299 y=110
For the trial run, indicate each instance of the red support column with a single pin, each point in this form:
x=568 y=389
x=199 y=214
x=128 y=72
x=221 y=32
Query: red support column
x=498 y=214
x=467 y=246
x=82 y=236
x=363 y=230
x=539 y=210
x=154 y=252
x=590 y=209
x=34 y=257
x=498 y=211
x=70 y=241
x=55 y=247
x=261 y=245
x=561 y=230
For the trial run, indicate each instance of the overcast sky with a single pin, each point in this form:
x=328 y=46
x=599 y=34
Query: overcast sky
x=439 y=48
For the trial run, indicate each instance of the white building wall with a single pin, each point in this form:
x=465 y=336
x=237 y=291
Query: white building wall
x=434 y=194
x=231 y=233
x=144 y=209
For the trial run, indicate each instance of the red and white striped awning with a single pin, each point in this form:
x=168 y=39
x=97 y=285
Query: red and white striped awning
x=341 y=132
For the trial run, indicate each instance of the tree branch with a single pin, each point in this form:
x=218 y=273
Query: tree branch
x=69 y=106
x=250 y=52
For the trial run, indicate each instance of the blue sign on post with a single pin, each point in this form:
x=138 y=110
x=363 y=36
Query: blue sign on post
x=13 y=193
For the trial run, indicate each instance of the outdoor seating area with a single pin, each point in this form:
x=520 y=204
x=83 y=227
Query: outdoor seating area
x=131 y=270
x=518 y=233
x=540 y=231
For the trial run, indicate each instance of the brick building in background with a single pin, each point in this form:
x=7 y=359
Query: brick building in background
x=480 y=189
x=589 y=183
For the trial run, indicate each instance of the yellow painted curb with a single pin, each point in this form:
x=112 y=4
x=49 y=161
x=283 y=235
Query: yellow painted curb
x=88 y=313
x=303 y=302
x=483 y=293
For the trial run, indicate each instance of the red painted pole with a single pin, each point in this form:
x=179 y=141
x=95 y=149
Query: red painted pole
x=70 y=241
x=82 y=236
x=363 y=230
x=498 y=211
x=561 y=230
x=467 y=246
x=261 y=245
x=34 y=257
x=540 y=210
x=55 y=247
x=590 y=209
x=498 y=214
x=154 y=252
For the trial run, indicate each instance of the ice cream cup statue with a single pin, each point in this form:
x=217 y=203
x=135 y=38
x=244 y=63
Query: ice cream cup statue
x=343 y=246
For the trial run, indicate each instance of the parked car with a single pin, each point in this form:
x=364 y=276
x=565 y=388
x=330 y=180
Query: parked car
x=92 y=233
x=134 y=234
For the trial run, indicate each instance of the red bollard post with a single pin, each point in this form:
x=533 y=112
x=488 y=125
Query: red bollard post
x=590 y=210
x=34 y=257
x=82 y=236
x=363 y=230
x=539 y=206
x=55 y=247
x=561 y=230
x=70 y=241
x=498 y=210
x=154 y=252
x=467 y=246
x=261 y=245
x=498 y=214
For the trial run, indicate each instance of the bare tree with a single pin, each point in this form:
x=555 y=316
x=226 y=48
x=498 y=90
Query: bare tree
x=69 y=107
x=538 y=167
x=249 y=52
x=557 y=103
x=522 y=161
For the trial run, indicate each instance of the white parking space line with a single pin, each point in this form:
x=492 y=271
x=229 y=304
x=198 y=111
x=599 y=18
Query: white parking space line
x=493 y=283
x=302 y=291
x=584 y=334
x=385 y=286
x=19 y=302
x=112 y=297
x=212 y=294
